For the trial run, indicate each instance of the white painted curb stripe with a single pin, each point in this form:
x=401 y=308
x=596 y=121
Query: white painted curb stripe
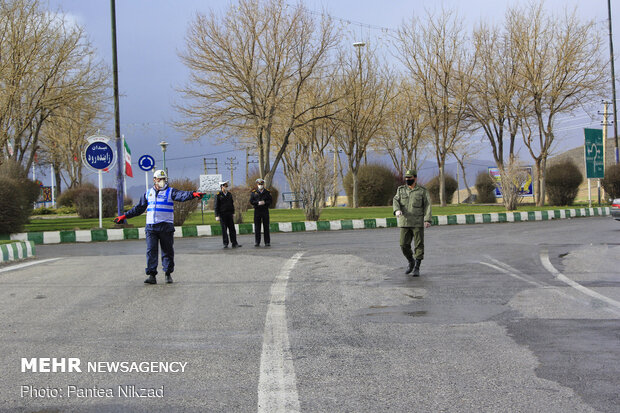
x=116 y=235
x=358 y=223
x=544 y=258
x=203 y=230
x=310 y=225
x=51 y=237
x=285 y=227
x=277 y=388
x=381 y=222
x=83 y=236
x=20 y=250
x=335 y=225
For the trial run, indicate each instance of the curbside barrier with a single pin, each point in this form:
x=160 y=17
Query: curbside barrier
x=16 y=251
x=61 y=237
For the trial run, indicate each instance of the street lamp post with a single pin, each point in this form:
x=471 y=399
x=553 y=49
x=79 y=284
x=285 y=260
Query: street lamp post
x=164 y=145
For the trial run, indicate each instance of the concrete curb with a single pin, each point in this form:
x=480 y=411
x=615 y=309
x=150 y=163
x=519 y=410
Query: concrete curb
x=16 y=251
x=61 y=237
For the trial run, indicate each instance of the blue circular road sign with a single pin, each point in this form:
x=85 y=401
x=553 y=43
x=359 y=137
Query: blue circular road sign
x=99 y=155
x=146 y=163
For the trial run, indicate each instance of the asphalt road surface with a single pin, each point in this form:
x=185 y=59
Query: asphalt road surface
x=505 y=318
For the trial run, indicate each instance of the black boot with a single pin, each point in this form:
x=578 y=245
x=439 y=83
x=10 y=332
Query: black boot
x=416 y=270
x=410 y=267
x=151 y=279
x=168 y=278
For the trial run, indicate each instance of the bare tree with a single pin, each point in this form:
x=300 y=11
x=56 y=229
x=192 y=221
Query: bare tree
x=513 y=181
x=496 y=100
x=249 y=71
x=405 y=137
x=46 y=64
x=560 y=63
x=367 y=89
x=313 y=181
x=464 y=151
x=436 y=55
x=63 y=139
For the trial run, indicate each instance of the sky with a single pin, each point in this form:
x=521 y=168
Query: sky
x=151 y=33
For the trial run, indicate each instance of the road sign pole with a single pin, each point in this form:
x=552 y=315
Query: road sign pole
x=589 y=194
x=100 y=202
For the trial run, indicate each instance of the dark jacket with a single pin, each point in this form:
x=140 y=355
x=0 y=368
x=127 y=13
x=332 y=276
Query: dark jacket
x=224 y=204
x=257 y=196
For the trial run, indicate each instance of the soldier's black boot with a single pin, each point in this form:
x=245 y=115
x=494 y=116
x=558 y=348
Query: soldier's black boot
x=410 y=267
x=151 y=279
x=168 y=278
x=416 y=269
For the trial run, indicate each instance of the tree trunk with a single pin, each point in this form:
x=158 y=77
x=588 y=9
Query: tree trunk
x=354 y=175
x=442 y=184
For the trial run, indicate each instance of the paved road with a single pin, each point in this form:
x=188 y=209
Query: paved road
x=506 y=317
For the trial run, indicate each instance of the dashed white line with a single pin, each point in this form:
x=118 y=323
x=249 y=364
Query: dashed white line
x=277 y=385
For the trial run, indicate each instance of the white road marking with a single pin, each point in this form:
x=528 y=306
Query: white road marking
x=544 y=258
x=27 y=264
x=277 y=385
x=513 y=272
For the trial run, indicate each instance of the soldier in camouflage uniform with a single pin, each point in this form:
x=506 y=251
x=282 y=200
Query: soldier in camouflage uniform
x=412 y=207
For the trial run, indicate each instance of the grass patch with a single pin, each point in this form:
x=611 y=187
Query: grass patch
x=10 y=241
x=279 y=215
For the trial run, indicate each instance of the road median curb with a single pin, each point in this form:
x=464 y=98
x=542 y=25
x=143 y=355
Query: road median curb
x=15 y=251
x=94 y=235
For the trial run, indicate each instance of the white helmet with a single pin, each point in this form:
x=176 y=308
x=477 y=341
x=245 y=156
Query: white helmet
x=160 y=174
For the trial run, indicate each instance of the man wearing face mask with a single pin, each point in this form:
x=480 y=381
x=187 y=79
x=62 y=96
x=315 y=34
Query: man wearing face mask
x=225 y=212
x=158 y=203
x=260 y=198
x=412 y=207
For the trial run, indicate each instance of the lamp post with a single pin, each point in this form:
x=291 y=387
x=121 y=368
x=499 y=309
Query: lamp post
x=164 y=145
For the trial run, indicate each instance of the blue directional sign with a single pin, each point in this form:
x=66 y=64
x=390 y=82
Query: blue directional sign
x=146 y=163
x=99 y=155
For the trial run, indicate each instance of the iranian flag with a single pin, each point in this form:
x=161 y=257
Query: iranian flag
x=128 y=170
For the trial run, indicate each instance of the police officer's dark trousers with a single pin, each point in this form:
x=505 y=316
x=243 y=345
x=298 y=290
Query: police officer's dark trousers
x=228 y=225
x=159 y=234
x=261 y=218
x=407 y=234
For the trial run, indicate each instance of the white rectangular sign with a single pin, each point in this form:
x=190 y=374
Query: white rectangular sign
x=210 y=183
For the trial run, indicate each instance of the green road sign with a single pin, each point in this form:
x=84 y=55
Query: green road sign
x=594 y=152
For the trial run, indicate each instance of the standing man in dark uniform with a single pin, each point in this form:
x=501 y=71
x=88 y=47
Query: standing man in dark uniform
x=412 y=207
x=159 y=206
x=260 y=198
x=225 y=212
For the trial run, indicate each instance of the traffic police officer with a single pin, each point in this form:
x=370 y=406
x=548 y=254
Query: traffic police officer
x=412 y=207
x=159 y=206
x=225 y=212
x=260 y=198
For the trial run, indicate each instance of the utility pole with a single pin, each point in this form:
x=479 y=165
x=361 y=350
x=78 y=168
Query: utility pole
x=232 y=165
x=204 y=161
x=605 y=123
x=613 y=81
x=247 y=163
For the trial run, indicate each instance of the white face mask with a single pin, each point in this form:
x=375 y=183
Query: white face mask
x=260 y=187
x=161 y=184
